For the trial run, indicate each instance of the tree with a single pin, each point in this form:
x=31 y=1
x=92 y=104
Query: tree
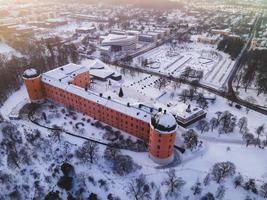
x=121 y=93
x=222 y=170
x=263 y=190
x=88 y=152
x=260 y=130
x=250 y=185
x=208 y=196
x=238 y=180
x=213 y=123
x=197 y=188
x=65 y=182
x=138 y=189
x=53 y=196
x=248 y=137
x=190 y=139
x=206 y=180
x=242 y=123
x=184 y=95
x=202 y=101
x=92 y=196
x=158 y=195
x=56 y=133
x=123 y=165
x=203 y=125
x=174 y=184
x=111 y=153
x=220 y=192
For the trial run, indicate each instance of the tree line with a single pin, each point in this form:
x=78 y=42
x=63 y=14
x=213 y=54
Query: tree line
x=42 y=55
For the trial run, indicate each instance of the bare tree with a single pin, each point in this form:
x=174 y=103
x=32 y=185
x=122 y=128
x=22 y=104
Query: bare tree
x=56 y=133
x=174 y=184
x=158 y=195
x=190 y=139
x=263 y=190
x=184 y=95
x=111 y=154
x=203 y=125
x=220 y=192
x=213 y=123
x=88 y=152
x=248 y=137
x=197 y=188
x=242 y=123
x=138 y=189
x=206 y=180
x=238 y=180
x=260 y=130
x=222 y=170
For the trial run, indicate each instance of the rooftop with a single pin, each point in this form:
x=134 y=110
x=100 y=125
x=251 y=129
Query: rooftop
x=66 y=73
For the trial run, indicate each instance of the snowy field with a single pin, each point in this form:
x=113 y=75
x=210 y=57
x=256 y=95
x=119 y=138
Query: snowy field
x=216 y=65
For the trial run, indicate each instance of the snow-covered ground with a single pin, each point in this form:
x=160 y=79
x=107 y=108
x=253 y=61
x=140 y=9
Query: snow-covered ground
x=251 y=162
x=252 y=96
x=14 y=100
x=8 y=51
x=216 y=65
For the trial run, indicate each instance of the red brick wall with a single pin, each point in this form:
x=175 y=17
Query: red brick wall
x=109 y=116
x=82 y=80
x=161 y=144
x=34 y=88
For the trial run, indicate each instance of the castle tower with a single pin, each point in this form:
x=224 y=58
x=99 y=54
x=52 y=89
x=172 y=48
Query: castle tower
x=33 y=82
x=162 y=137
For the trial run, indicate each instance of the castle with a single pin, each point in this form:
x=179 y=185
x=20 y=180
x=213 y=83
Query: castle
x=69 y=85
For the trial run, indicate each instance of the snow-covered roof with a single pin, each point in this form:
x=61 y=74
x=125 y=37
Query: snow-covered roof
x=101 y=73
x=97 y=64
x=164 y=122
x=67 y=72
x=115 y=39
x=30 y=73
x=185 y=111
x=96 y=98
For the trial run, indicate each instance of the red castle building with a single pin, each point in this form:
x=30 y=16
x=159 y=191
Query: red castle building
x=69 y=85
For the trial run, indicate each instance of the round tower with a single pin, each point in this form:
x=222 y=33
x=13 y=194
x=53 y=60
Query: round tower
x=162 y=137
x=33 y=82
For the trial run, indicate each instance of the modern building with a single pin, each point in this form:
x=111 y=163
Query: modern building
x=69 y=85
x=124 y=43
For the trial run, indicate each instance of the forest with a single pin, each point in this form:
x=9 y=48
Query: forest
x=42 y=55
x=255 y=71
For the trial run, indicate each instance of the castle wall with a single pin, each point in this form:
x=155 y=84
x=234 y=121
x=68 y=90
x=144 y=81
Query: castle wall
x=109 y=116
x=161 y=144
x=35 y=88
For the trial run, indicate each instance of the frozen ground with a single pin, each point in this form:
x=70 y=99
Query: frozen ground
x=173 y=60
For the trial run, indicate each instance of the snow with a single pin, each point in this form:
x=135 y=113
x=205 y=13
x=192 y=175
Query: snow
x=13 y=101
x=173 y=60
x=4 y=48
x=251 y=162
x=30 y=72
x=165 y=119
